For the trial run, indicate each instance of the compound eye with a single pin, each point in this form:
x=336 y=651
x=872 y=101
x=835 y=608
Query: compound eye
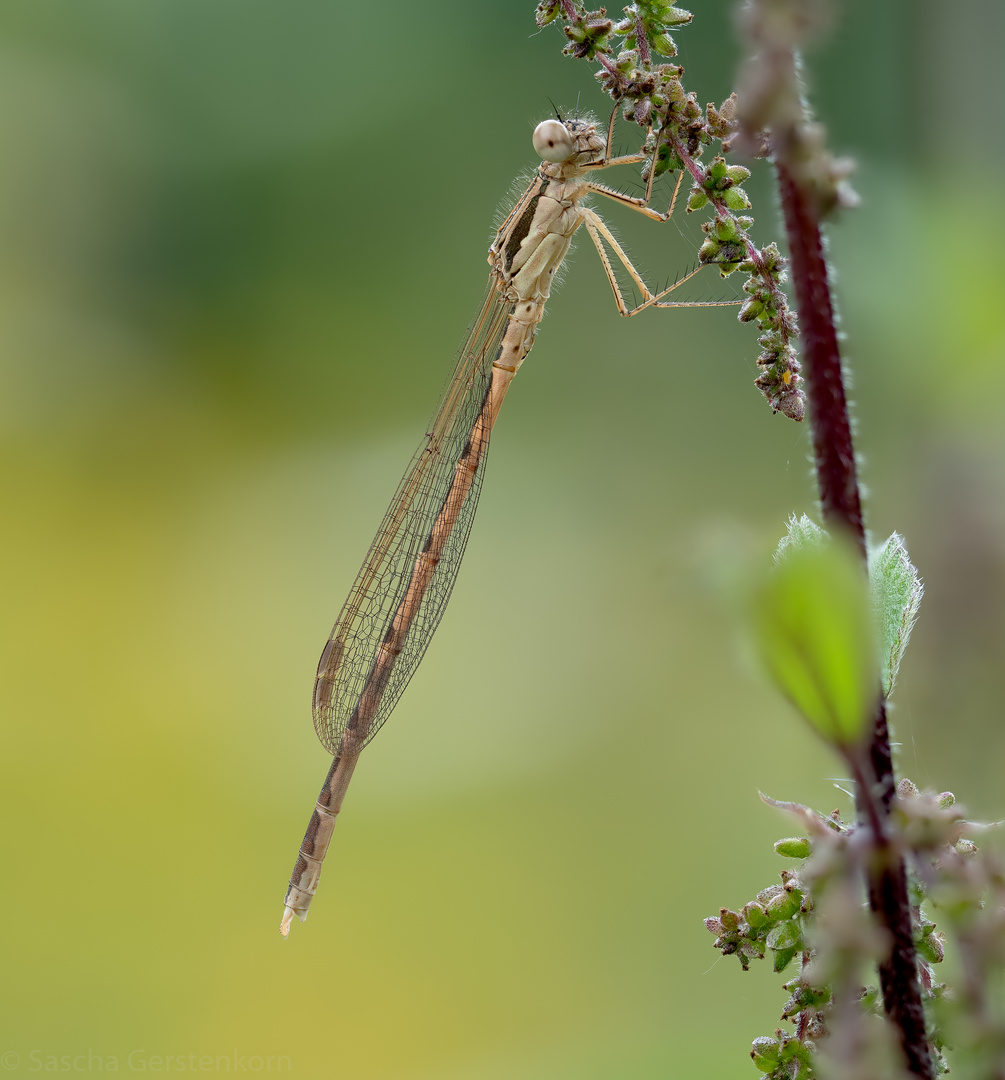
x=552 y=141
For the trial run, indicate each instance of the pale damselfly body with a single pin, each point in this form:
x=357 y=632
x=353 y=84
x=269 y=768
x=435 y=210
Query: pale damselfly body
x=402 y=589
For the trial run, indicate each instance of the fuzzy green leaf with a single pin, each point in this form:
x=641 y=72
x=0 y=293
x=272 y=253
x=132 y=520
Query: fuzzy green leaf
x=896 y=597
x=814 y=629
x=801 y=532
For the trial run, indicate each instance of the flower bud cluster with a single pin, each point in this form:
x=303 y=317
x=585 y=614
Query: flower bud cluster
x=772 y=921
x=779 y=380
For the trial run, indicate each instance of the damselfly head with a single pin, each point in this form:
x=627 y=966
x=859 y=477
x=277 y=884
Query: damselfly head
x=560 y=140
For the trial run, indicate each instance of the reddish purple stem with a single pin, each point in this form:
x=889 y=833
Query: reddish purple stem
x=842 y=508
x=832 y=445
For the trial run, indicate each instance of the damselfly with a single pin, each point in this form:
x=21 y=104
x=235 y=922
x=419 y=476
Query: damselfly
x=403 y=586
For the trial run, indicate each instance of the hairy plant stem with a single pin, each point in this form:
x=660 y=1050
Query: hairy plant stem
x=886 y=876
x=833 y=451
x=837 y=481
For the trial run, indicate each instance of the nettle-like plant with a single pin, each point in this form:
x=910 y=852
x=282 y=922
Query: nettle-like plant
x=834 y=616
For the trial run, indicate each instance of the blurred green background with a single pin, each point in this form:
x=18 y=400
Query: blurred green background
x=239 y=243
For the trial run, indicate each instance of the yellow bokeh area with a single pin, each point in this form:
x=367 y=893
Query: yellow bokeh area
x=239 y=243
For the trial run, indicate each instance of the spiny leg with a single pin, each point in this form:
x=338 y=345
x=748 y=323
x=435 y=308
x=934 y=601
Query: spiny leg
x=640 y=205
x=634 y=203
x=625 y=159
x=596 y=228
x=593 y=224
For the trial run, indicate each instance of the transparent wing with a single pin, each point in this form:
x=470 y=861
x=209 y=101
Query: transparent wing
x=402 y=589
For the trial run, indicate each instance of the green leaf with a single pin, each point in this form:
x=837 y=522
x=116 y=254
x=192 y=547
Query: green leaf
x=814 y=629
x=801 y=532
x=896 y=597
